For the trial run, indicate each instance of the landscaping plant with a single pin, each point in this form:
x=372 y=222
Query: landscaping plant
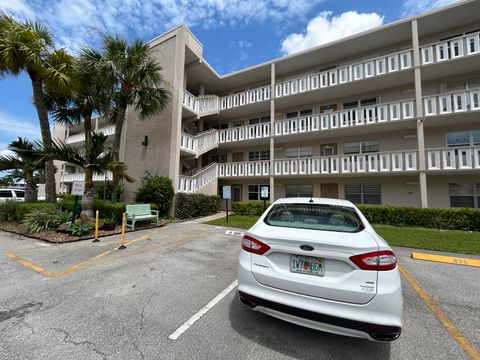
x=81 y=228
x=196 y=205
x=8 y=210
x=42 y=219
x=156 y=190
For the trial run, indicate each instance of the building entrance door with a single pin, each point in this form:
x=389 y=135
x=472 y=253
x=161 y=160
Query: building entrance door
x=237 y=193
x=329 y=191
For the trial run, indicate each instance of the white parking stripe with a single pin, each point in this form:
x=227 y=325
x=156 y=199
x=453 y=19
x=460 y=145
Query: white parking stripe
x=202 y=311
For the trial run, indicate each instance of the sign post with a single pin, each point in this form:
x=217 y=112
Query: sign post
x=227 y=194
x=78 y=188
x=264 y=195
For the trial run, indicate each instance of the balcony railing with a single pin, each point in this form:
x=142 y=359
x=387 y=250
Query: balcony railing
x=347 y=118
x=200 y=143
x=457 y=102
x=461 y=158
x=245 y=97
x=247 y=168
x=192 y=184
x=108 y=130
x=455 y=48
x=248 y=132
x=375 y=67
x=349 y=164
x=201 y=104
x=81 y=177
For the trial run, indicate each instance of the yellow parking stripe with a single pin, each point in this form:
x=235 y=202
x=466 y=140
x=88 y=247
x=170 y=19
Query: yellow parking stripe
x=446 y=259
x=30 y=265
x=451 y=328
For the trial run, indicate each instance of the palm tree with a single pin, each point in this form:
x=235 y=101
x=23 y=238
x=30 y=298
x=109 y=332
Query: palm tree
x=137 y=81
x=25 y=160
x=28 y=47
x=97 y=159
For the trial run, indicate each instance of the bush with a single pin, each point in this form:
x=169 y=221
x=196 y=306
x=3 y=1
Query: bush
x=23 y=209
x=448 y=219
x=81 y=228
x=40 y=219
x=105 y=190
x=156 y=190
x=249 y=207
x=8 y=210
x=196 y=205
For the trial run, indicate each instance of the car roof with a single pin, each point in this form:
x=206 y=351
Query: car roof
x=316 y=200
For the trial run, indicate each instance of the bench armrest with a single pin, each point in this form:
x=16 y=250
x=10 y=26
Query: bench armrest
x=130 y=215
x=155 y=212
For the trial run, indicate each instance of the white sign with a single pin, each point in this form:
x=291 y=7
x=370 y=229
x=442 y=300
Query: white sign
x=78 y=188
x=227 y=192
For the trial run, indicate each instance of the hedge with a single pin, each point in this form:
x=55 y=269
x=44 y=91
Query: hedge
x=23 y=208
x=249 y=207
x=156 y=190
x=196 y=205
x=447 y=219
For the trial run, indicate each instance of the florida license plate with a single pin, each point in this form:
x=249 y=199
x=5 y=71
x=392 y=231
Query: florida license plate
x=307 y=265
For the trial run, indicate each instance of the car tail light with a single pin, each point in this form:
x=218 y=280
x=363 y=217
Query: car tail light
x=253 y=245
x=377 y=260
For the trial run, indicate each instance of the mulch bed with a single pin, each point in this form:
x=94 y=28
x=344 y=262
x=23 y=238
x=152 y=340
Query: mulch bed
x=60 y=237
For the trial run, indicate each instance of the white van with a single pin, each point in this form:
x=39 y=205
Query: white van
x=12 y=195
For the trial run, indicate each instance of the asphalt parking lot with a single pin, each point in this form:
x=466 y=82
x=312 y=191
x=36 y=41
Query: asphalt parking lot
x=89 y=301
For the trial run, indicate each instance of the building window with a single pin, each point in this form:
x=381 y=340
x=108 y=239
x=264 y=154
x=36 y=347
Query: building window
x=254 y=192
x=262 y=120
x=298 y=191
x=259 y=155
x=358 y=103
x=463 y=138
x=464 y=195
x=367 y=194
x=299 y=152
x=299 y=113
x=217 y=158
x=356 y=147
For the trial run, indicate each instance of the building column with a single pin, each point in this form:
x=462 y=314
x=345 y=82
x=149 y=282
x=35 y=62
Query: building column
x=201 y=89
x=419 y=116
x=272 y=130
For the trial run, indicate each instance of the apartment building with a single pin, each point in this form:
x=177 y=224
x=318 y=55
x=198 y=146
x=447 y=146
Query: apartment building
x=390 y=116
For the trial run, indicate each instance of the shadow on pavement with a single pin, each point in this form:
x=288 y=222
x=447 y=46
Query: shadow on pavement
x=300 y=342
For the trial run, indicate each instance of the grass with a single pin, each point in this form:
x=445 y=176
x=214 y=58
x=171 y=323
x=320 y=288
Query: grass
x=455 y=241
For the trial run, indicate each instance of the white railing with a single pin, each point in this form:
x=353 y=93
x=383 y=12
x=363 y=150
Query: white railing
x=248 y=132
x=461 y=158
x=201 y=104
x=192 y=184
x=366 y=69
x=250 y=96
x=108 y=130
x=456 y=102
x=247 y=168
x=349 y=164
x=458 y=47
x=200 y=143
x=347 y=118
x=81 y=177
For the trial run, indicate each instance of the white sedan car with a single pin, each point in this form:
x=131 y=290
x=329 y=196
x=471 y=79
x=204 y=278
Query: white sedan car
x=318 y=263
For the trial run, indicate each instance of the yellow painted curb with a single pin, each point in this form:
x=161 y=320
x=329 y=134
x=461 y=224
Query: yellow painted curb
x=446 y=259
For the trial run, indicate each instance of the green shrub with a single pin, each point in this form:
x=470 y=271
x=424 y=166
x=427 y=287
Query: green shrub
x=156 y=190
x=196 y=205
x=106 y=208
x=249 y=207
x=81 y=228
x=24 y=208
x=66 y=196
x=448 y=219
x=8 y=210
x=105 y=190
x=40 y=219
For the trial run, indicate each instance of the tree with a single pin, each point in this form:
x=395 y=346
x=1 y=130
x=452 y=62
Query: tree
x=90 y=93
x=28 y=47
x=26 y=160
x=137 y=81
x=97 y=159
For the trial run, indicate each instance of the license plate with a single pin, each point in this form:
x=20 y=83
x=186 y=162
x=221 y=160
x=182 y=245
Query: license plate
x=307 y=265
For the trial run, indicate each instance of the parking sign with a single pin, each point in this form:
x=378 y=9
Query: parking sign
x=227 y=192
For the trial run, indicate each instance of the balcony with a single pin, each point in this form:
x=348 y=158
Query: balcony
x=246 y=97
x=200 y=143
x=249 y=132
x=108 y=130
x=455 y=48
x=458 y=158
x=452 y=103
x=382 y=113
x=193 y=184
x=201 y=105
x=349 y=164
x=66 y=178
x=244 y=169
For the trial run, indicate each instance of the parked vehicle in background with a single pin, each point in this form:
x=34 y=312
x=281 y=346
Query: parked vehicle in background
x=318 y=263
x=12 y=195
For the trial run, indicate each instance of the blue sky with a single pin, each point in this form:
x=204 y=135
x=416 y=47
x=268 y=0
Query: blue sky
x=235 y=33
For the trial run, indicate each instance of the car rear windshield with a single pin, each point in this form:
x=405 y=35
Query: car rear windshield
x=315 y=217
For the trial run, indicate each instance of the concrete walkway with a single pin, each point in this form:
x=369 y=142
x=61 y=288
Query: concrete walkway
x=216 y=216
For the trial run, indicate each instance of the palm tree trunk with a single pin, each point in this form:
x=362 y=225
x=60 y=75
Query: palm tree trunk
x=122 y=109
x=38 y=99
x=87 y=198
x=30 y=189
x=87 y=126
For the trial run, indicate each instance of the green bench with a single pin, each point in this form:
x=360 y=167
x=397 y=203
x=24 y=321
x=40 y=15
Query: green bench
x=140 y=212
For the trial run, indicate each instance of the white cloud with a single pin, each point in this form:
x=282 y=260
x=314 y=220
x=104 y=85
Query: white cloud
x=326 y=28
x=12 y=126
x=412 y=7
x=73 y=22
